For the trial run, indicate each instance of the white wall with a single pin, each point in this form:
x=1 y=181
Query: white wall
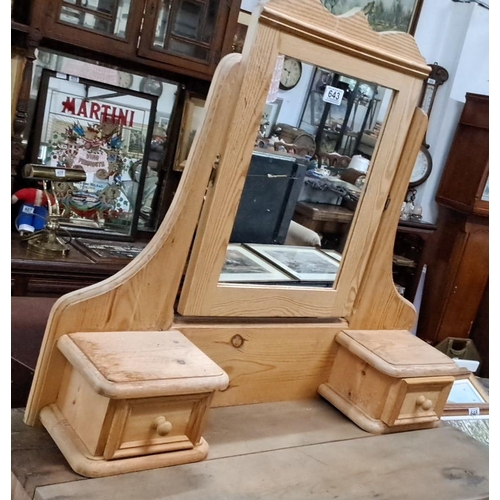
x=456 y=36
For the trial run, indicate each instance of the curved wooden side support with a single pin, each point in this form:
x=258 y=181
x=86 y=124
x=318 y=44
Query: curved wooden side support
x=141 y=296
x=378 y=303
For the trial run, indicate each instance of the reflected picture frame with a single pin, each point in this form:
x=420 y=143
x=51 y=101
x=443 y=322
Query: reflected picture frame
x=303 y=263
x=244 y=266
x=468 y=398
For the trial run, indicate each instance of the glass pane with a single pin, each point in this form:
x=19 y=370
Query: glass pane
x=210 y=21
x=161 y=30
x=188 y=20
x=187 y=49
x=105 y=16
x=305 y=177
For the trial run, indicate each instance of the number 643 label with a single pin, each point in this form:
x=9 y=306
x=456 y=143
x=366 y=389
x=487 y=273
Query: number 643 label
x=333 y=95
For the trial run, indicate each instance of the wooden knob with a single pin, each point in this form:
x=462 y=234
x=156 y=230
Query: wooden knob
x=425 y=403
x=162 y=426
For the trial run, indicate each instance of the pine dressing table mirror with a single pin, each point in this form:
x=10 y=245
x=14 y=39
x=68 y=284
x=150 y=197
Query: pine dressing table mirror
x=152 y=348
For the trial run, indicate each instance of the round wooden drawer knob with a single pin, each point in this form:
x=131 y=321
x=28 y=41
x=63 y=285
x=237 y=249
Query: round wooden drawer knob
x=425 y=403
x=162 y=426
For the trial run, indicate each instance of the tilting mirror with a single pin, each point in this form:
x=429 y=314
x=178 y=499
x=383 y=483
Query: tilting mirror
x=307 y=173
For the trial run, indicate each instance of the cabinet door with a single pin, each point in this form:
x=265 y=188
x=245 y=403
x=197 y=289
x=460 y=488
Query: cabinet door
x=188 y=33
x=92 y=24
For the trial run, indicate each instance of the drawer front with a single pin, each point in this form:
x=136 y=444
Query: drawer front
x=157 y=425
x=416 y=400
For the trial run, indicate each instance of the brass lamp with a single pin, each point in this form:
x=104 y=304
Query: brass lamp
x=48 y=240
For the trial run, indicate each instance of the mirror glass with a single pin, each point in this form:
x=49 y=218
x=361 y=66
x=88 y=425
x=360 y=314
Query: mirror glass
x=307 y=173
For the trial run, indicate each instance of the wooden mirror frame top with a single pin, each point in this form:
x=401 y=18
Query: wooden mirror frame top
x=308 y=32
x=143 y=296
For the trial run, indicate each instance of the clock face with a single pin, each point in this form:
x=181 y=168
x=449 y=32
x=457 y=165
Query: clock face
x=422 y=168
x=290 y=76
x=125 y=79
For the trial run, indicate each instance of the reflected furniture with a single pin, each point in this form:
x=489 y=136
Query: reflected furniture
x=275 y=342
x=410 y=247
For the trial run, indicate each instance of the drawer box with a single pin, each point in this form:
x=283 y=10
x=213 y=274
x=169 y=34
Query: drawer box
x=145 y=426
x=389 y=380
x=127 y=396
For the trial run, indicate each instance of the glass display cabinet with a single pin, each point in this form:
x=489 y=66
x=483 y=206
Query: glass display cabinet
x=338 y=126
x=184 y=29
x=186 y=34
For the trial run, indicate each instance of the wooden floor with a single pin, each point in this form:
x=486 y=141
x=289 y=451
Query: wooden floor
x=292 y=451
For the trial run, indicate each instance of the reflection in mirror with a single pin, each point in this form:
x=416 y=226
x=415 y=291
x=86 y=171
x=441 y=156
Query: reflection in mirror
x=306 y=176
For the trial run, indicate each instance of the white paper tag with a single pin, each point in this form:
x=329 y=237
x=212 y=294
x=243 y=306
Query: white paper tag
x=60 y=172
x=73 y=78
x=28 y=210
x=333 y=95
x=474 y=412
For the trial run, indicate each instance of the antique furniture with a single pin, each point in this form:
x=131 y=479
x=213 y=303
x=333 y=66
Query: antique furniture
x=388 y=381
x=275 y=342
x=186 y=37
x=332 y=222
x=458 y=259
x=127 y=395
x=268 y=199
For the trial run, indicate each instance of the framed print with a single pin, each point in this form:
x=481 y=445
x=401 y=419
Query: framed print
x=467 y=398
x=244 y=266
x=383 y=15
x=304 y=263
x=103 y=251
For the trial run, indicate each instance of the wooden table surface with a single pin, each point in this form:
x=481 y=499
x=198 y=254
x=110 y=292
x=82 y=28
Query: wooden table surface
x=292 y=450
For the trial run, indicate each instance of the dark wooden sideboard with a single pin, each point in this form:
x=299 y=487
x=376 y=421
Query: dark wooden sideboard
x=34 y=275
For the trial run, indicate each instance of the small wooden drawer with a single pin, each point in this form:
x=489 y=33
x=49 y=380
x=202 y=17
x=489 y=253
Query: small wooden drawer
x=389 y=380
x=142 y=397
x=145 y=426
x=417 y=400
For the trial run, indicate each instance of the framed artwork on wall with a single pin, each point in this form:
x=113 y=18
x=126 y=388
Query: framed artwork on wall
x=383 y=15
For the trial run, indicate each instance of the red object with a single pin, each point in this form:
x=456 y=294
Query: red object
x=31 y=196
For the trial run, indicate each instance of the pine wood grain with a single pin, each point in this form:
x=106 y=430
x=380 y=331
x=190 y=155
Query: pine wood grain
x=266 y=362
x=378 y=303
x=141 y=296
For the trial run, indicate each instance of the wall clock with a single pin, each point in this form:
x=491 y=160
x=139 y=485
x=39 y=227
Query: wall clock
x=292 y=71
x=422 y=168
x=125 y=79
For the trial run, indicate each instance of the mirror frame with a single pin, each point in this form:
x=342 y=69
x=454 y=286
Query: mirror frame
x=312 y=35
